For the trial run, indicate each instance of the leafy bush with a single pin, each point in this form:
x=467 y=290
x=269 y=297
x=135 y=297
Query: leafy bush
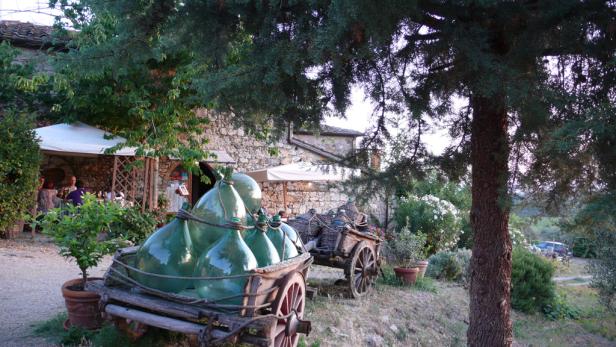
x=405 y=248
x=438 y=219
x=450 y=266
x=77 y=231
x=559 y=308
x=134 y=225
x=603 y=268
x=532 y=288
x=584 y=248
x=19 y=166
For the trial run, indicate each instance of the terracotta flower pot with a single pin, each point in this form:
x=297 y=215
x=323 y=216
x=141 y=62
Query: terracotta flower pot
x=81 y=305
x=422 y=265
x=407 y=275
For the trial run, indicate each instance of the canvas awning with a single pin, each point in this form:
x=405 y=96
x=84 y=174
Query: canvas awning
x=303 y=171
x=78 y=138
x=82 y=139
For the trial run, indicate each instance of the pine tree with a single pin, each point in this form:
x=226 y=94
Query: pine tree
x=525 y=68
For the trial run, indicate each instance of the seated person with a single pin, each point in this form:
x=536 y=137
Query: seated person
x=69 y=188
x=76 y=196
x=47 y=197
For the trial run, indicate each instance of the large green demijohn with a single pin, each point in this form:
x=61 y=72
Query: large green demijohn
x=217 y=206
x=168 y=251
x=293 y=235
x=229 y=256
x=249 y=191
x=285 y=247
x=261 y=246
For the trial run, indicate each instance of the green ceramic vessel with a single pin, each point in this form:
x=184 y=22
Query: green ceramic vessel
x=249 y=190
x=168 y=251
x=216 y=206
x=261 y=246
x=285 y=247
x=229 y=256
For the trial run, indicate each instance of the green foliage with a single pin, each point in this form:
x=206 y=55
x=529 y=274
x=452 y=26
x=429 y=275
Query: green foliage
x=450 y=265
x=516 y=230
x=19 y=166
x=19 y=153
x=532 y=288
x=559 y=308
x=134 y=225
x=406 y=248
x=108 y=336
x=79 y=231
x=584 y=248
x=603 y=268
x=438 y=219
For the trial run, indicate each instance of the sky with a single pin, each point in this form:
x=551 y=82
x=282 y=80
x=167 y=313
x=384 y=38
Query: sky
x=358 y=115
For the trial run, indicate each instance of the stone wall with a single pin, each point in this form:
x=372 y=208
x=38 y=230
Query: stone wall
x=339 y=145
x=94 y=172
x=252 y=154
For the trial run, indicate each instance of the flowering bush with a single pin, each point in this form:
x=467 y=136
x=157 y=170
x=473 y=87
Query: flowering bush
x=438 y=219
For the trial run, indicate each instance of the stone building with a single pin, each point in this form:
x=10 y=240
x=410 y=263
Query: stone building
x=244 y=151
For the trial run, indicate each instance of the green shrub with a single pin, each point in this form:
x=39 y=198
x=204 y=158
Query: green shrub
x=450 y=266
x=134 y=225
x=584 y=248
x=405 y=248
x=559 y=308
x=603 y=269
x=437 y=218
x=19 y=166
x=532 y=288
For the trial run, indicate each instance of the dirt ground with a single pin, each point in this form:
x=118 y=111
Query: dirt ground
x=30 y=281
x=389 y=316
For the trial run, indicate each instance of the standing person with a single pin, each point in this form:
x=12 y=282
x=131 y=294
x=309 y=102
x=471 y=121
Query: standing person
x=76 y=196
x=47 y=197
x=71 y=187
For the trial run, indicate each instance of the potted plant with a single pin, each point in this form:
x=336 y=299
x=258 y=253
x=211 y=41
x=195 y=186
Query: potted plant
x=80 y=232
x=405 y=249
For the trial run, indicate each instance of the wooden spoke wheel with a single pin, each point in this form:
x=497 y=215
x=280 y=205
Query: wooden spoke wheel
x=290 y=303
x=362 y=270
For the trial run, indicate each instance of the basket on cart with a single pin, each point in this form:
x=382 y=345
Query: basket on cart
x=270 y=314
x=344 y=243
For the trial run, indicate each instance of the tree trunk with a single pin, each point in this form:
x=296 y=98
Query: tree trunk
x=490 y=324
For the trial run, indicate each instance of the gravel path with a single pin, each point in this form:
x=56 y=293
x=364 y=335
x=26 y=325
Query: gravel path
x=30 y=280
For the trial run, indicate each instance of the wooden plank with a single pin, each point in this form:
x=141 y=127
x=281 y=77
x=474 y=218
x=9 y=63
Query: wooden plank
x=155 y=320
x=146 y=183
x=178 y=310
x=114 y=177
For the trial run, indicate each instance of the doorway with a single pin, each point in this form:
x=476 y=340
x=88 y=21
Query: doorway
x=198 y=187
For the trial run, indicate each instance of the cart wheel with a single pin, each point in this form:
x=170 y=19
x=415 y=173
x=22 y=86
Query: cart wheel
x=362 y=270
x=291 y=298
x=133 y=329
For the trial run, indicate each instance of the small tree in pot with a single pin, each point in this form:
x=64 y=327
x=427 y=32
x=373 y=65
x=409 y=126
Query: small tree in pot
x=80 y=232
x=405 y=250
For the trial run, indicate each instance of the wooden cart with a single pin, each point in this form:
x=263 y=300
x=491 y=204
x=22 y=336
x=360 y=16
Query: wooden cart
x=357 y=252
x=270 y=315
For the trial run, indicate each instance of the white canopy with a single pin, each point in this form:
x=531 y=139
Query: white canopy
x=303 y=171
x=80 y=138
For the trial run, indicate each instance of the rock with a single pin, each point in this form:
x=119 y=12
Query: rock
x=374 y=340
x=393 y=328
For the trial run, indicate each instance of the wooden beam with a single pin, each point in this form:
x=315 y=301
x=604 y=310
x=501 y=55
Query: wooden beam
x=114 y=177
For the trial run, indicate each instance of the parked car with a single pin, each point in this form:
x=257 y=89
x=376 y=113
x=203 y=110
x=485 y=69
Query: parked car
x=549 y=247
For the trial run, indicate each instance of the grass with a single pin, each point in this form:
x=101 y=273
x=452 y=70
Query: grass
x=389 y=278
x=108 y=336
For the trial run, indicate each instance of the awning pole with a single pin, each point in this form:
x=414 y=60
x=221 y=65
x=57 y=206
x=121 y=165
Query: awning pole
x=284 y=195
